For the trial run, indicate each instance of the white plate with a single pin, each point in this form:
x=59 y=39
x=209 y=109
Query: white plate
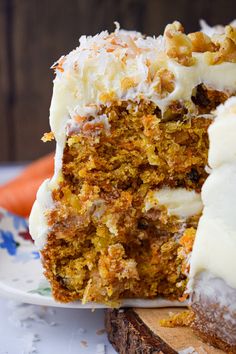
x=21 y=273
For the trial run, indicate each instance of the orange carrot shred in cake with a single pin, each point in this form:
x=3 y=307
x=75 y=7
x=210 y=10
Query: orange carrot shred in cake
x=131 y=116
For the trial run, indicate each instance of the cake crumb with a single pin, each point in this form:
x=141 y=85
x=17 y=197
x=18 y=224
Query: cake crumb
x=100 y=332
x=84 y=343
x=180 y=319
x=47 y=137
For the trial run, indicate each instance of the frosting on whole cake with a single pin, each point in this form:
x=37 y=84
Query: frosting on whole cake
x=215 y=244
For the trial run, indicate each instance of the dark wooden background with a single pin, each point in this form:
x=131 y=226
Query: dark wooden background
x=35 y=33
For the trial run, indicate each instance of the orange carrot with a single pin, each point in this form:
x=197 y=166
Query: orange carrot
x=19 y=194
x=41 y=167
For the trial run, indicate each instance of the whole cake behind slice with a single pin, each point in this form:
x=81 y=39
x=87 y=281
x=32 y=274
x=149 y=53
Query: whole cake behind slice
x=213 y=262
x=130 y=115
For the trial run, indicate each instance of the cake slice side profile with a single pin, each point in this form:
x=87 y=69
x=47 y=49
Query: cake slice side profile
x=130 y=115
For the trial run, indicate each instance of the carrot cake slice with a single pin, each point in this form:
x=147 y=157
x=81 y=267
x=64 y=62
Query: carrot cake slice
x=130 y=115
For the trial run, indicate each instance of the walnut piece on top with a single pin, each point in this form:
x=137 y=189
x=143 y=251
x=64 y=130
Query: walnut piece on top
x=178 y=45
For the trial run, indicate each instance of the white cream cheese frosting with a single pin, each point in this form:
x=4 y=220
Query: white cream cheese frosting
x=214 y=248
x=123 y=66
x=37 y=222
x=178 y=201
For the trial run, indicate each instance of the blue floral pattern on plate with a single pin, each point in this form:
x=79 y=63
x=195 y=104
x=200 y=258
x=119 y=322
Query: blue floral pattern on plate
x=20 y=266
x=7 y=242
x=21 y=273
x=11 y=241
x=17 y=221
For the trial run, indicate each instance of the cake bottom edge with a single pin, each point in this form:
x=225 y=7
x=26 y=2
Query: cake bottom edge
x=213 y=302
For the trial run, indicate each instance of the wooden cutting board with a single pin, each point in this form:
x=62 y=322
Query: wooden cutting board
x=138 y=331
